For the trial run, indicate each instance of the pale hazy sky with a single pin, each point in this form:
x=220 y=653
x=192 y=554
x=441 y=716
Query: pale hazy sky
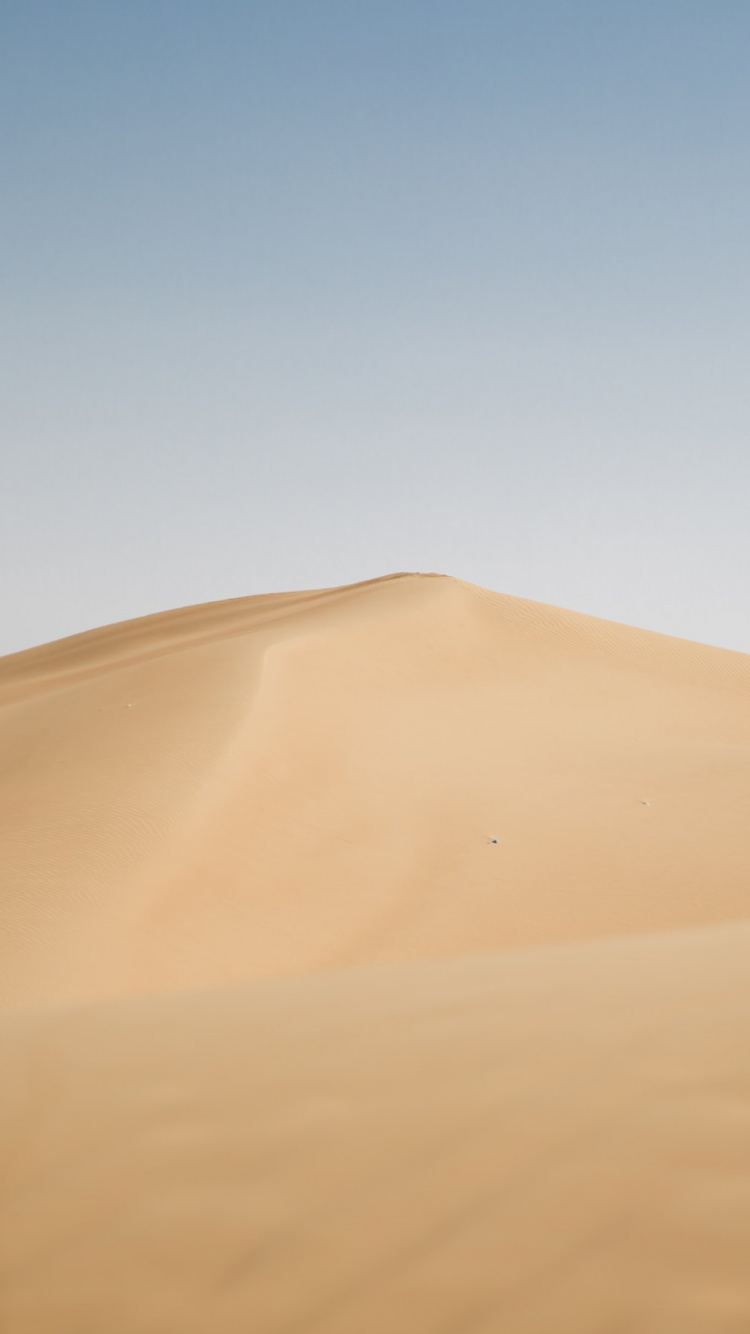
x=301 y=292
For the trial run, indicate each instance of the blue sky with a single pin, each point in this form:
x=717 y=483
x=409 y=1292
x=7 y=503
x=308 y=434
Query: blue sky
x=302 y=293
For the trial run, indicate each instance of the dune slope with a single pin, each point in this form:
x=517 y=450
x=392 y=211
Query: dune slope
x=283 y=785
x=375 y=958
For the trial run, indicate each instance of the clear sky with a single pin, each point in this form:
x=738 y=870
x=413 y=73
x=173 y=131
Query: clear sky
x=301 y=292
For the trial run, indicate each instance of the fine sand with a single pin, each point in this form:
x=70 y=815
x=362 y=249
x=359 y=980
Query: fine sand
x=375 y=959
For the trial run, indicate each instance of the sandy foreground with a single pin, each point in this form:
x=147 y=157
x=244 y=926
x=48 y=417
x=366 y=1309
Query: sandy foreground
x=375 y=959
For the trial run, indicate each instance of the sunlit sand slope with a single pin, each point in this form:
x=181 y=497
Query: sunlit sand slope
x=375 y=959
x=287 y=784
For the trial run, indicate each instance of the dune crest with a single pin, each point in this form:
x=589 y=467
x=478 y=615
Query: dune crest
x=286 y=784
x=393 y=937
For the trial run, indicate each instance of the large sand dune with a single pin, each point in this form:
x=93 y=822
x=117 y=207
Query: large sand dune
x=373 y=959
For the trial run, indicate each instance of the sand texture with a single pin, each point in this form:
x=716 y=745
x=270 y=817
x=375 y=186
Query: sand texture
x=375 y=959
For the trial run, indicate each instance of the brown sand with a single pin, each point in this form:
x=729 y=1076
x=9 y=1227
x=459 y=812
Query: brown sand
x=290 y=1045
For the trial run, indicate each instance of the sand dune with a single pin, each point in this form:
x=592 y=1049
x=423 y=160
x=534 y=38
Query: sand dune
x=372 y=959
